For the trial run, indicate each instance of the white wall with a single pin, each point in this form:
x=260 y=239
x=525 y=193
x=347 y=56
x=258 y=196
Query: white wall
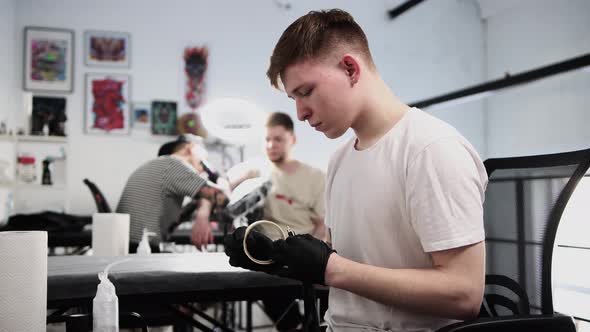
x=434 y=48
x=7 y=91
x=8 y=87
x=550 y=115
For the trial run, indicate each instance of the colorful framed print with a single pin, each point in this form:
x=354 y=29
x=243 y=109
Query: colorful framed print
x=48 y=59
x=164 y=115
x=142 y=115
x=107 y=48
x=107 y=109
x=195 y=67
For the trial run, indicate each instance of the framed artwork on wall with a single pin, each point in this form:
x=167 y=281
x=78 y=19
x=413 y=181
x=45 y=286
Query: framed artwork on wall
x=107 y=106
x=48 y=59
x=142 y=115
x=48 y=116
x=164 y=114
x=107 y=48
x=195 y=61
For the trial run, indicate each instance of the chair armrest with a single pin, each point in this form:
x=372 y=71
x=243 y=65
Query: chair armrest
x=529 y=323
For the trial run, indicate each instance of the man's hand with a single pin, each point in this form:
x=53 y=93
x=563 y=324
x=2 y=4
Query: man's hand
x=201 y=233
x=259 y=246
x=303 y=257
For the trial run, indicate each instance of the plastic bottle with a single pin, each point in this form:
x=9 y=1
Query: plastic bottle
x=144 y=245
x=46 y=174
x=26 y=169
x=105 y=306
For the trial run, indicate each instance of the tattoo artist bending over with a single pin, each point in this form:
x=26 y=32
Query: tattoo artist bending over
x=403 y=197
x=154 y=193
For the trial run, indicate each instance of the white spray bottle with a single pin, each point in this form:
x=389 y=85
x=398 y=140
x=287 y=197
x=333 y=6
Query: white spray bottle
x=144 y=245
x=105 y=306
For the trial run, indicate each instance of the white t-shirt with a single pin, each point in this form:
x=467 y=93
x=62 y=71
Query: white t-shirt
x=293 y=198
x=419 y=189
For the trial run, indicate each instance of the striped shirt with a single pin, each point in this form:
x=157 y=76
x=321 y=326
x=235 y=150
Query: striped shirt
x=154 y=194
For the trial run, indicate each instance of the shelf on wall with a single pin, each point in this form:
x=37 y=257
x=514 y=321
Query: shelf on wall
x=39 y=186
x=8 y=185
x=18 y=185
x=33 y=138
x=42 y=139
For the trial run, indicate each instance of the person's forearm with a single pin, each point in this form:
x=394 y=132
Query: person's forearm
x=250 y=174
x=236 y=182
x=430 y=291
x=204 y=209
x=201 y=231
x=233 y=184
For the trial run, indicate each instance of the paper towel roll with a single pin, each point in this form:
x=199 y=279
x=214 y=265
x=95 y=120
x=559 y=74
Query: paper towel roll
x=110 y=234
x=23 y=281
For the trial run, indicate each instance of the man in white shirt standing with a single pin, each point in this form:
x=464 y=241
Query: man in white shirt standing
x=295 y=200
x=403 y=197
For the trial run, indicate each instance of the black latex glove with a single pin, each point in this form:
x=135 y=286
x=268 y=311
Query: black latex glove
x=304 y=258
x=260 y=247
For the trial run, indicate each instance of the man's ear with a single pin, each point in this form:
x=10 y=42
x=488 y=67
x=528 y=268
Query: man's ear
x=351 y=67
x=188 y=149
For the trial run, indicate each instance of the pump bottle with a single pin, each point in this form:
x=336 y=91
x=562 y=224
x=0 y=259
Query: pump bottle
x=105 y=306
x=144 y=245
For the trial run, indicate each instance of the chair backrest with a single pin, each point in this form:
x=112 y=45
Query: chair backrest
x=99 y=199
x=525 y=199
x=507 y=294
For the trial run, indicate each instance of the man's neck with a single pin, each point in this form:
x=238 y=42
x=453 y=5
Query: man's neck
x=179 y=157
x=186 y=160
x=381 y=113
x=288 y=166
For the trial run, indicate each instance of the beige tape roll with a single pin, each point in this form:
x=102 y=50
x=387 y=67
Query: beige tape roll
x=249 y=228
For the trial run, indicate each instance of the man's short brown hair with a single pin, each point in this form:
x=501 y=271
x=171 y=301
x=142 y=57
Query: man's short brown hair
x=280 y=119
x=314 y=35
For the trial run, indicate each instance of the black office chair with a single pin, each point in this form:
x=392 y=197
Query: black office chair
x=525 y=199
x=101 y=202
x=506 y=294
x=536 y=323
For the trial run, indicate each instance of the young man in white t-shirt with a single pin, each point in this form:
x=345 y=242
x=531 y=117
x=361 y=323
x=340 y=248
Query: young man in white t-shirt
x=403 y=197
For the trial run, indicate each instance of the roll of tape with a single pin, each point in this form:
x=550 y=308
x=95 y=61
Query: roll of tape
x=249 y=228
